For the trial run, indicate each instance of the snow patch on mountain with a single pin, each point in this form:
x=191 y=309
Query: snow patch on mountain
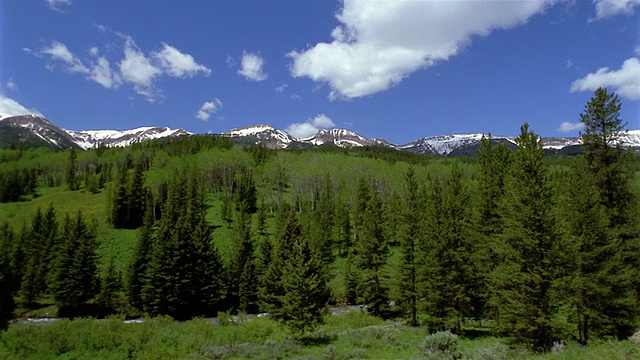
x=88 y=139
x=265 y=134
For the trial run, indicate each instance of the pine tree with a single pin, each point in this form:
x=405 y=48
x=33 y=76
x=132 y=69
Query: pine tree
x=136 y=197
x=243 y=287
x=169 y=289
x=410 y=239
x=607 y=161
x=495 y=162
x=457 y=253
x=75 y=278
x=303 y=280
x=110 y=287
x=72 y=181
x=272 y=289
x=525 y=278
x=345 y=233
x=371 y=249
x=119 y=203
x=137 y=274
x=33 y=281
x=42 y=248
x=323 y=220
x=600 y=218
x=245 y=193
x=209 y=276
x=451 y=281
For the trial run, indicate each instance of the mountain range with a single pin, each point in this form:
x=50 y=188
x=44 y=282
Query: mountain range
x=37 y=131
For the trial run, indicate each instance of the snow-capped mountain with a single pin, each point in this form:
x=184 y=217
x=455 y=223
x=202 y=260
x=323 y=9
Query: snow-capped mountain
x=88 y=139
x=37 y=131
x=444 y=144
x=342 y=138
x=34 y=131
x=267 y=135
x=277 y=139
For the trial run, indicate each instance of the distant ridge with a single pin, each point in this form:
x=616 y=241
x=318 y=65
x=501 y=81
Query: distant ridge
x=37 y=131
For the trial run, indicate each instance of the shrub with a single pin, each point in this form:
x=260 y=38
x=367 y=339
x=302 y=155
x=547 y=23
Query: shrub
x=441 y=345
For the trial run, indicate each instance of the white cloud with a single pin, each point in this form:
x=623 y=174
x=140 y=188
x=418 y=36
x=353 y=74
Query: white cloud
x=282 y=88
x=59 y=51
x=231 y=62
x=102 y=74
x=606 y=8
x=137 y=69
x=10 y=107
x=567 y=127
x=208 y=108
x=251 y=67
x=378 y=43
x=310 y=127
x=178 y=64
x=58 y=5
x=625 y=81
x=568 y=64
x=10 y=85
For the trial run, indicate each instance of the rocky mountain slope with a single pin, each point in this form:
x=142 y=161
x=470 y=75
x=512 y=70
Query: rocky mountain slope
x=37 y=131
x=34 y=131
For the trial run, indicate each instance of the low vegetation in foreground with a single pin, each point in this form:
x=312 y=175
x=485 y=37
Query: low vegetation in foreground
x=355 y=335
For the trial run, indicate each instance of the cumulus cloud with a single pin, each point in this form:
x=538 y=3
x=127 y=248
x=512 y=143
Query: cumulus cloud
x=208 y=108
x=10 y=107
x=59 y=51
x=379 y=43
x=251 y=67
x=567 y=127
x=58 y=5
x=136 y=68
x=178 y=64
x=282 y=88
x=625 y=81
x=310 y=127
x=606 y=8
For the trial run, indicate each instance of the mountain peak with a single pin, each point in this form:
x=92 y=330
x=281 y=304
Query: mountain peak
x=115 y=138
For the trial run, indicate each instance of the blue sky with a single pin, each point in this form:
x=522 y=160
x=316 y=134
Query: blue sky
x=393 y=69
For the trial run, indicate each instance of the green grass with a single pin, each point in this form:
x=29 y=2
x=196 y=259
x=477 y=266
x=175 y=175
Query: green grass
x=354 y=335
x=93 y=206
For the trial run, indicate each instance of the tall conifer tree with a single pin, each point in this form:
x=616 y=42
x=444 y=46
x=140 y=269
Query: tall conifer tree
x=411 y=233
x=371 y=249
x=526 y=277
x=602 y=224
x=75 y=278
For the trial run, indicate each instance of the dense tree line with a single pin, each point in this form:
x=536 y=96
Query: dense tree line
x=546 y=253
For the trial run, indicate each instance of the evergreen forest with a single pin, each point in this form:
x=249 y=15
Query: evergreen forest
x=533 y=251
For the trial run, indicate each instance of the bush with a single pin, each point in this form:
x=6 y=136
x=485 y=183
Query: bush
x=441 y=345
